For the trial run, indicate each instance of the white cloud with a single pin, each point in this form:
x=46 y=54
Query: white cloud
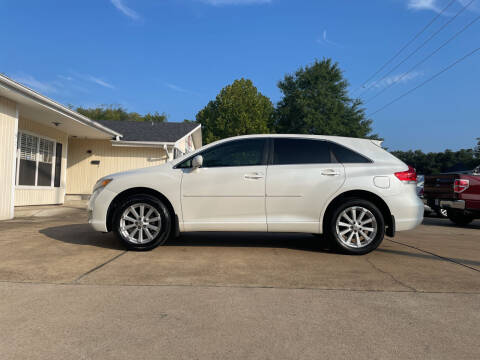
x=236 y=2
x=176 y=88
x=424 y=5
x=35 y=84
x=437 y=5
x=475 y=6
x=398 y=78
x=326 y=40
x=120 y=5
x=99 y=81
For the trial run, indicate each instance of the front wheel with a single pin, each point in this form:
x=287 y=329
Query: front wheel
x=142 y=222
x=357 y=227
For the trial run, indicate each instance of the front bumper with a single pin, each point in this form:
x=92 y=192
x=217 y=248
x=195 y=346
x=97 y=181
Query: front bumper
x=97 y=208
x=452 y=204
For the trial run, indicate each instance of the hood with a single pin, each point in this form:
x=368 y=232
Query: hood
x=139 y=171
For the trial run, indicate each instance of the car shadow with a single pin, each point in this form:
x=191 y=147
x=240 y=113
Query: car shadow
x=82 y=234
x=294 y=241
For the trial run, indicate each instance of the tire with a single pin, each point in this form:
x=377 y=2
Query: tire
x=155 y=224
x=459 y=218
x=362 y=239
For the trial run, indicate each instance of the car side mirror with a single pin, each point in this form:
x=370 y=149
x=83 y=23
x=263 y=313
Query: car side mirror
x=197 y=162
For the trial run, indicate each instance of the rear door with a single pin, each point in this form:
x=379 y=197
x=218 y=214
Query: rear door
x=302 y=175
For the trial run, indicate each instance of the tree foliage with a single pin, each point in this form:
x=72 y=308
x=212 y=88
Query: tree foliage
x=315 y=101
x=239 y=109
x=117 y=112
x=434 y=163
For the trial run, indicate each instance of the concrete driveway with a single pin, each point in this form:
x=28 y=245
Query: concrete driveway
x=72 y=293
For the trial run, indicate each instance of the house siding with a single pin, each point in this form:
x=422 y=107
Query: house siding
x=43 y=196
x=82 y=175
x=8 y=136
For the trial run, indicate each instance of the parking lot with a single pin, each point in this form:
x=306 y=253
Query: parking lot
x=70 y=292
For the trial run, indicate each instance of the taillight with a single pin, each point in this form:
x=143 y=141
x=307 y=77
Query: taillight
x=409 y=176
x=460 y=185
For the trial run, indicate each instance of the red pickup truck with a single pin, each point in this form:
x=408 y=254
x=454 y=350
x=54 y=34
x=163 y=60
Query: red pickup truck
x=458 y=193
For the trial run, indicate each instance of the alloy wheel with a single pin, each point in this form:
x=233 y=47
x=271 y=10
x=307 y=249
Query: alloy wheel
x=140 y=223
x=356 y=227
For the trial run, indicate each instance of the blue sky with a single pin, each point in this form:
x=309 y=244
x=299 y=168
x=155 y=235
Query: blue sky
x=174 y=56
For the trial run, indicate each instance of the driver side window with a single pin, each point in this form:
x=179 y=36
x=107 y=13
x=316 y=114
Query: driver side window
x=248 y=152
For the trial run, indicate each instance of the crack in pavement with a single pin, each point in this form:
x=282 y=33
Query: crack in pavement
x=433 y=254
x=266 y=287
x=98 y=267
x=390 y=275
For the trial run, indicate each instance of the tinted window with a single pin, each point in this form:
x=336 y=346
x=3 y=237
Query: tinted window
x=301 y=151
x=344 y=155
x=248 y=152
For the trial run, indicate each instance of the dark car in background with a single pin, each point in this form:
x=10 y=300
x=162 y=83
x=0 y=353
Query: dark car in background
x=458 y=193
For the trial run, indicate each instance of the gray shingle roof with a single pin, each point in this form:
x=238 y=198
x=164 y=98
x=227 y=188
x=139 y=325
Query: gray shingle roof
x=146 y=131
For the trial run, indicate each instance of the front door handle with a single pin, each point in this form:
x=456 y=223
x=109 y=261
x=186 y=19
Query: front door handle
x=330 y=172
x=254 y=176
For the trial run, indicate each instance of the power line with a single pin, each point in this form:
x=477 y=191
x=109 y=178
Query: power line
x=396 y=81
x=421 y=46
x=427 y=81
x=406 y=45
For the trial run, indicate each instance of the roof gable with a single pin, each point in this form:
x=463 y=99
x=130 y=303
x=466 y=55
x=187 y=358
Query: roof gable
x=148 y=131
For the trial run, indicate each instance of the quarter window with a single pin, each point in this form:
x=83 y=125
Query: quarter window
x=347 y=156
x=301 y=151
x=36 y=163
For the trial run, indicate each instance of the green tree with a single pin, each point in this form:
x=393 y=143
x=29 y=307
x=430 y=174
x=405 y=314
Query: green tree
x=315 y=101
x=155 y=117
x=434 y=163
x=239 y=109
x=117 y=112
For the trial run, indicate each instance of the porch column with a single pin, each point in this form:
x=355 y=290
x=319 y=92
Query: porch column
x=8 y=148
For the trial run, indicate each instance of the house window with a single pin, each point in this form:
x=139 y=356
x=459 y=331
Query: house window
x=36 y=163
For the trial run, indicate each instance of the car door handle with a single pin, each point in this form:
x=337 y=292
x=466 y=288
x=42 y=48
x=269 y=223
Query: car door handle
x=330 y=172
x=253 y=176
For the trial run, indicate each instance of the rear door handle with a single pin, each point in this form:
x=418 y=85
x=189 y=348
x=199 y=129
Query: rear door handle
x=253 y=176
x=330 y=172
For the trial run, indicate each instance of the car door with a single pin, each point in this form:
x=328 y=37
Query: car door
x=228 y=191
x=302 y=175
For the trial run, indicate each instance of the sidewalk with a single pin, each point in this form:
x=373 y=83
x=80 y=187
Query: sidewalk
x=68 y=207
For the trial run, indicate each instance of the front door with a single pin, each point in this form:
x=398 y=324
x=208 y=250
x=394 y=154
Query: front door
x=228 y=191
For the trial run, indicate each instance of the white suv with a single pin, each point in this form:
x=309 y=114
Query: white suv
x=351 y=190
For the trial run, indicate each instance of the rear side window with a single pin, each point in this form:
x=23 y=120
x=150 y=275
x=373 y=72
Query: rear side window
x=300 y=151
x=347 y=156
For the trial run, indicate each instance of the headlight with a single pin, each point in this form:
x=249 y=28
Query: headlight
x=101 y=184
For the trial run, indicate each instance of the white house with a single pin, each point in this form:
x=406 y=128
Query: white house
x=48 y=150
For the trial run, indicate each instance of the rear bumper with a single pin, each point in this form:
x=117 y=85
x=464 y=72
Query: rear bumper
x=452 y=204
x=407 y=211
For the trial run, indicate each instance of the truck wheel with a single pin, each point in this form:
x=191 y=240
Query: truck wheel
x=459 y=218
x=142 y=222
x=356 y=227
x=442 y=213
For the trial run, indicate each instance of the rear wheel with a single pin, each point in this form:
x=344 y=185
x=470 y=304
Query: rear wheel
x=356 y=226
x=459 y=218
x=142 y=222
